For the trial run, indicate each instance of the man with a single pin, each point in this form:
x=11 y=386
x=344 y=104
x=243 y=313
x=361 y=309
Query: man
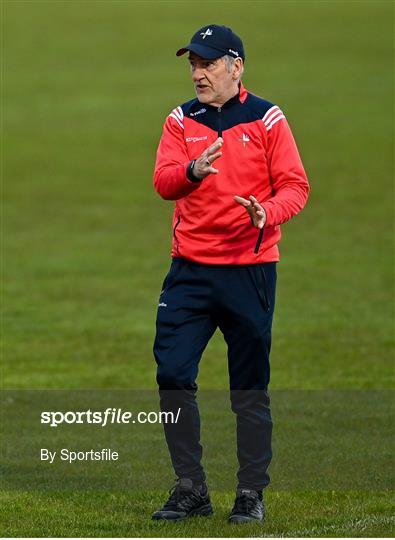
x=230 y=162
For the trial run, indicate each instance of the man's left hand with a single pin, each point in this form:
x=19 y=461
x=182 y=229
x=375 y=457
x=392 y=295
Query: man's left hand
x=256 y=211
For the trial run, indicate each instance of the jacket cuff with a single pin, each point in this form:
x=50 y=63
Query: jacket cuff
x=190 y=174
x=269 y=214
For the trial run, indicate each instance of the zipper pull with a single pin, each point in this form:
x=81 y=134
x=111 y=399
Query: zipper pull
x=219 y=109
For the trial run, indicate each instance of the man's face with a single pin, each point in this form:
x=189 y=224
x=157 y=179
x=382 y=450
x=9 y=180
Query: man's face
x=211 y=79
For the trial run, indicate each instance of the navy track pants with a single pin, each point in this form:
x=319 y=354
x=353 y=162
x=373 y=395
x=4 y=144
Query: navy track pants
x=195 y=300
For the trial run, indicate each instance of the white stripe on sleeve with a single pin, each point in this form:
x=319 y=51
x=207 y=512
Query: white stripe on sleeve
x=269 y=112
x=177 y=120
x=272 y=117
x=269 y=127
x=178 y=112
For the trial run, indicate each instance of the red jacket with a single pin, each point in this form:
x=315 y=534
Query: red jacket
x=259 y=157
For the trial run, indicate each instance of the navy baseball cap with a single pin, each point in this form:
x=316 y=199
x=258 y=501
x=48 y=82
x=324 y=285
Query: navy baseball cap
x=213 y=41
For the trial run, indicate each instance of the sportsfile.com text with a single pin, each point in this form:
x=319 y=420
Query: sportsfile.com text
x=109 y=416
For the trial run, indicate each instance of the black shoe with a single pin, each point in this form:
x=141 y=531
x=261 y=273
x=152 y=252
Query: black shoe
x=248 y=507
x=185 y=501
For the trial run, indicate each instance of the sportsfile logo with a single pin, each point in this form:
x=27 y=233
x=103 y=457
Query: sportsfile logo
x=111 y=415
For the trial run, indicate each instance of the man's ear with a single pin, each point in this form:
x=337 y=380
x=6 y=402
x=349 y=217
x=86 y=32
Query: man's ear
x=238 y=67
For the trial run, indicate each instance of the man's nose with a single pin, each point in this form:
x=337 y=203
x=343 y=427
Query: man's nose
x=198 y=74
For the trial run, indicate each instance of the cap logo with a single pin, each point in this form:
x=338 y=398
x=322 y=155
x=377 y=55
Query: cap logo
x=236 y=53
x=208 y=32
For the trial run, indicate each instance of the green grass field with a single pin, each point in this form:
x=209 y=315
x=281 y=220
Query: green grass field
x=86 y=241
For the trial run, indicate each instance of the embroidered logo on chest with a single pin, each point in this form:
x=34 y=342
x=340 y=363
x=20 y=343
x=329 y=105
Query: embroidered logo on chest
x=244 y=139
x=196 y=139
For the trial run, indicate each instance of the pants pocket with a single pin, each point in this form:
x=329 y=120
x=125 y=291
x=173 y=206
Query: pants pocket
x=171 y=276
x=259 y=280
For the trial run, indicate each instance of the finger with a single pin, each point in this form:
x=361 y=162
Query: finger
x=213 y=157
x=257 y=221
x=211 y=170
x=212 y=149
x=247 y=206
x=254 y=201
x=215 y=146
x=242 y=201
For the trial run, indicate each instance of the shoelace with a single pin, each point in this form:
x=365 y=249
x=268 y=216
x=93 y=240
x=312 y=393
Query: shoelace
x=184 y=500
x=244 y=503
x=189 y=500
x=173 y=498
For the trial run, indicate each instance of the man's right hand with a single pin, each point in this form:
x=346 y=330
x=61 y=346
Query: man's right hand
x=203 y=164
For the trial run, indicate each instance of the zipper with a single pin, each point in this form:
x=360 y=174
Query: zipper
x=174 y=232
x=260 y=236
x=259 y=241
x=219 y=122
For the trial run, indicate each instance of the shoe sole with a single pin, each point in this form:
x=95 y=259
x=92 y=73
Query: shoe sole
x=205 y=510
